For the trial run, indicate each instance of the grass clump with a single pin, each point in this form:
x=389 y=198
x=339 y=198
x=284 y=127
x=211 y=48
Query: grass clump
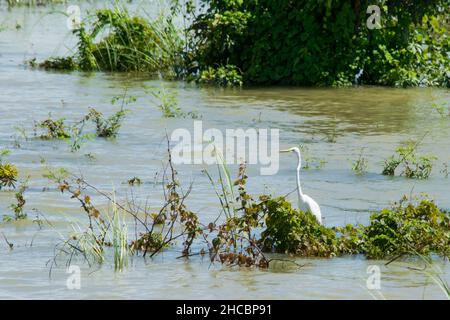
x=413 y=166
x=119 y=238
x=117 y=41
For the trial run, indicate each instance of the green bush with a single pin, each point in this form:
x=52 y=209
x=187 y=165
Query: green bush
x=407 y=228
x=225 y=76
x=413 y=165
x=292 y=231
x=309 y=42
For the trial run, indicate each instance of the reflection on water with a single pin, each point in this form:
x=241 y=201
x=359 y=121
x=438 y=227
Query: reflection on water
x=334 y=123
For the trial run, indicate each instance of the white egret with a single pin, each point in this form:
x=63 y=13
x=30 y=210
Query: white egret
x=305 y=202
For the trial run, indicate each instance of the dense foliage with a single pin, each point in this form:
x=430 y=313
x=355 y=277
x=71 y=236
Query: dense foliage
x=312 y=42
x=406 y=228
x=304 y=42
x=292 y=231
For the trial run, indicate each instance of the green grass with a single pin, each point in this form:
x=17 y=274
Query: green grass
x=119 y=238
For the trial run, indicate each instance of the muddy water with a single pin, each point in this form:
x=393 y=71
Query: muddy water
x=334 y=123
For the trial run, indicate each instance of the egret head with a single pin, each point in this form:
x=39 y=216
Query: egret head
x=294 y=149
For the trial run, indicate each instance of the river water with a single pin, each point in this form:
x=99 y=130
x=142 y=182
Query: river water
x=333 y=123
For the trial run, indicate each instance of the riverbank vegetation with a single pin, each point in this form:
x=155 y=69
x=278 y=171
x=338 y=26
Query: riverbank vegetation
x=309 y=43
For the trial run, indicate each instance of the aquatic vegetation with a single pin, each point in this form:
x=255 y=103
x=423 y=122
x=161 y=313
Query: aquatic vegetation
x=75 y=134
x=235 y=241
x=247 y=227
x=90 y=157
x=53 y=129
x=8 y=172
x=127 y=43
x=407 y=228
x=167 y=102
x=107 y=127
x=149 y=242
x=310 y=161
x=414 y=166
x=61 y=63
x=444 y=170
x=103 y=231
x=77 y=137
x=360 y=165
x=223 y=76
x=119 y=238
x=442 y=108
x=404 y=229
x=88 y=241
x=296 y=232
x=135 y=181
x=18 y=207
x=10 y=245
x=58 y=129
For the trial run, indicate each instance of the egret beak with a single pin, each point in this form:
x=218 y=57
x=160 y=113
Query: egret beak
x=285 y=151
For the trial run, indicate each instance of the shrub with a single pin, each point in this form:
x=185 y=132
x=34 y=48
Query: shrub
x=53 y=129
x=292 y=231
x=310 y=42
x=107 y=127
x=414 y=166
x=224 y=76
x=406 y=229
